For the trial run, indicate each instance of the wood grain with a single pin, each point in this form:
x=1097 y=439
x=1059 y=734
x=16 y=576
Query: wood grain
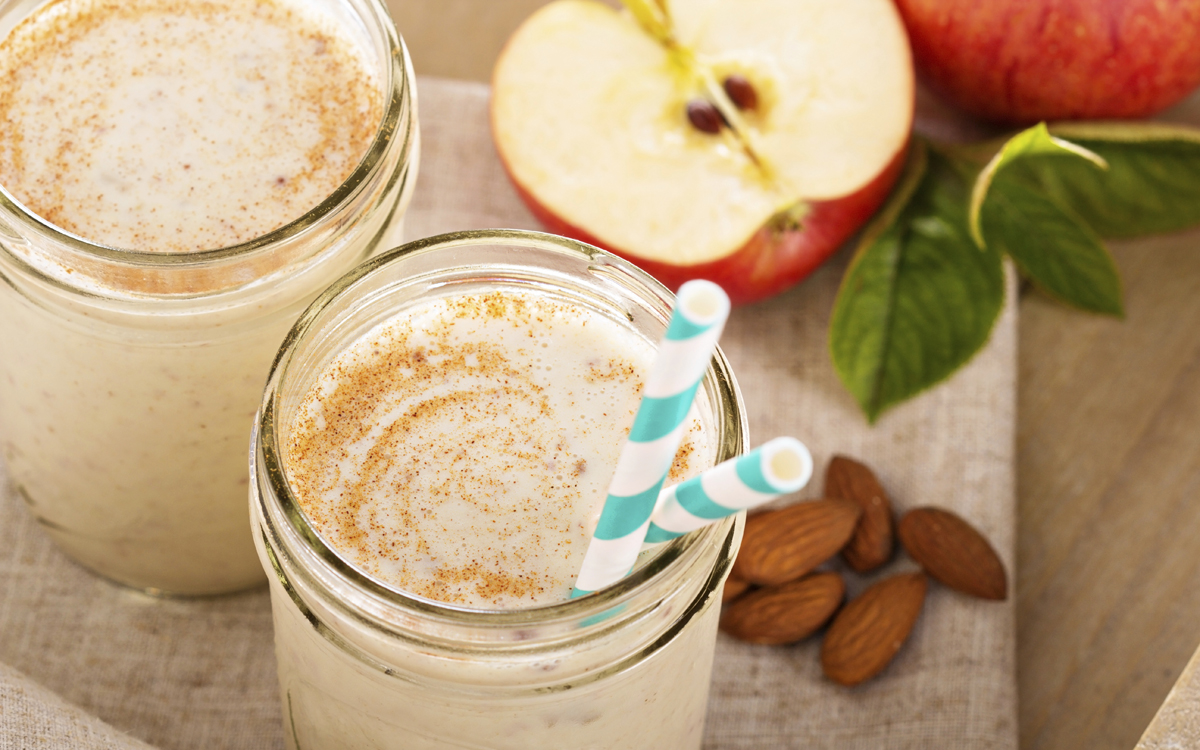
x=1108 y=473
x=457 y=38
x=1177 y=723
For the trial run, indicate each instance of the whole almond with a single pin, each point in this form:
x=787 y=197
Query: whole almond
x=872 y=543
x=953 y=552
x=869 y=631
x=733 y=588
x=781 y=545
x=787 y=613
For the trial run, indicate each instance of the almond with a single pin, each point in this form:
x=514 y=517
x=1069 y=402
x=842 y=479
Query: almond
x=953 y=552
x=870 y=630
x=734 y=587
x=781 y=545
x=787 y=613
x=872 y=543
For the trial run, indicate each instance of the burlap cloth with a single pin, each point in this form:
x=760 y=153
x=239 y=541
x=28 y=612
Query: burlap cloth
x=201 y=674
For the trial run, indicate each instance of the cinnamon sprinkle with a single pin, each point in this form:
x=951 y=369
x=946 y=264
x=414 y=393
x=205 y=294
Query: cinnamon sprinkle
x=176 y=126
x=460 y=452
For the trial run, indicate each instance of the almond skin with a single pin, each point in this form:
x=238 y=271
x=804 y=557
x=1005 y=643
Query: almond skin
x=953 y=552
x=873 y=540
x=733 y=588
x=870 y=630
x=787 y=613
x=782 y=545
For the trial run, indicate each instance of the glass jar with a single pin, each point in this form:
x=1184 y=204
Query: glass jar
x=129 y=380
x=363 y=664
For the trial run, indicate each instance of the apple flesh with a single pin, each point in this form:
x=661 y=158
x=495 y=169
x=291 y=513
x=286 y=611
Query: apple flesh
x=1021 y=61
x=776 y=256
x=590 y=118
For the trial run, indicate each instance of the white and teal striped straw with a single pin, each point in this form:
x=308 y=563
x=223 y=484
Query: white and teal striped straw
x=701 y=308
x=775 y=468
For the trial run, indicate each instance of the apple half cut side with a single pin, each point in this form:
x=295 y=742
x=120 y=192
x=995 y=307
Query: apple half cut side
x=590 y=116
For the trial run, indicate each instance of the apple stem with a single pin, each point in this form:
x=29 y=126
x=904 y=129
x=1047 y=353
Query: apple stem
x=653 y=16
x=665 y=11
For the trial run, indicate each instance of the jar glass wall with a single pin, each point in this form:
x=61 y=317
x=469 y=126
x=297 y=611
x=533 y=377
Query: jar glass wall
x=365 y=664
x=129 y=379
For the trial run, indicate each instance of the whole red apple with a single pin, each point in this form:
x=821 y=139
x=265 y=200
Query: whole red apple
x=1021 y=61
x=741 y=141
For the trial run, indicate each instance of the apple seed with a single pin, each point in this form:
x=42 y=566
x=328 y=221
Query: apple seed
x=705 y=116
x=741 y=92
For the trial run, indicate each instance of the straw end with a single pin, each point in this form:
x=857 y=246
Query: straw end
x=786 y=464
x=702 y=302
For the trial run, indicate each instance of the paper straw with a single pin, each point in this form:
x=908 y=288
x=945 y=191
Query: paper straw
x=775 y=468
x=701 y=308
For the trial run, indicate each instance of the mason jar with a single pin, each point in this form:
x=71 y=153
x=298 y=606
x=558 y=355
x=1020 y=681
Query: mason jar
x=129 y=379
x=363 y=663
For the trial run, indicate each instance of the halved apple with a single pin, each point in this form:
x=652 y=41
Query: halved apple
x=590 y=115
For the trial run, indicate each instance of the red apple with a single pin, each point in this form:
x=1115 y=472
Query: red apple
x=1020 y=61
x=740 y=141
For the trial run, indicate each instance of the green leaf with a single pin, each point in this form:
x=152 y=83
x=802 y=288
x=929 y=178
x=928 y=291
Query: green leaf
x=1152 y=184
x=1012 y=211
x=919 y=298
x=1034 y=142
x=1051 y=244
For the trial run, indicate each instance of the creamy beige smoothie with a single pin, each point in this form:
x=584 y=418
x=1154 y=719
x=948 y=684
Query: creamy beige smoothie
x=174 y=193
x=176 y=126
x=589 y=695
x=452 y=459
x=462 y=452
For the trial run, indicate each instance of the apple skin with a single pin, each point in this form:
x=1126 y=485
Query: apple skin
x=771 y=260
x=1021 y=61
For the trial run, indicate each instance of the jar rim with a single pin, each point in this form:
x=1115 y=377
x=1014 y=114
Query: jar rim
x=679 y=552
x=399 y=94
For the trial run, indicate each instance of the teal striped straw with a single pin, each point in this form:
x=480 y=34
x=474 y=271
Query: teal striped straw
x=775 y=468
x=701 y=308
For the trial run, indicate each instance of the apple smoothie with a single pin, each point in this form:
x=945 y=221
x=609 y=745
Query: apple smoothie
x=178 y=180
x=426 y=490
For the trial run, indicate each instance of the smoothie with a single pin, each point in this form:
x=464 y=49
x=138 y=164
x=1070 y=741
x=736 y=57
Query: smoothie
x=462 y=452
x=434 y=446
x=176 y=126
x=178 y=180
